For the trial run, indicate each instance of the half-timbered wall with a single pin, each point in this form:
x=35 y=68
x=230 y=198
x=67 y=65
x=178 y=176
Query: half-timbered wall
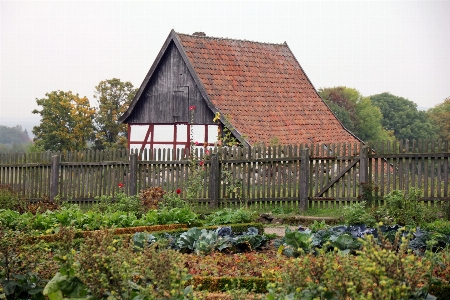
x=175 y=136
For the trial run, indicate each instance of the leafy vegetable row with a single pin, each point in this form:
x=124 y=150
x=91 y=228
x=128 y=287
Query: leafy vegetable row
x=345 y=238
x=50 y=222
x=202 y=241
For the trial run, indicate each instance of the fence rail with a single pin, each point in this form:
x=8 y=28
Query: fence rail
x=313 y=175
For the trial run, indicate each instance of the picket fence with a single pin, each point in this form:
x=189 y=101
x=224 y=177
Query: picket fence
x=309 y=175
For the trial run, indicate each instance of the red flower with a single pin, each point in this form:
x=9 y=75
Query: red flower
x=196 y=143
x=120 y=185
x=178 y=191
x=207 y=151
x=201 y=163
x=192 y=107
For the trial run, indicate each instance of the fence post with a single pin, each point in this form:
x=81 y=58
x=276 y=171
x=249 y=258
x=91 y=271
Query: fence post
x=54 y=177
x=214 y=181
x=304 y=180
x=363 y=165
x=133 y=174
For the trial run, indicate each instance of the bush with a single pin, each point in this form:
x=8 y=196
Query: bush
x=405 y=208
x=111 y=267
x=377 y=272
x=11 y=200
x=42 y=206
x=356 y=214
x=23 y=268
x=445 y=209
x=151 y=197
x=441 y=226
x=370 y=194
x=171 y=200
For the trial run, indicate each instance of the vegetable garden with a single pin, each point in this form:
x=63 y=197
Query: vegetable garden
x=156 y=246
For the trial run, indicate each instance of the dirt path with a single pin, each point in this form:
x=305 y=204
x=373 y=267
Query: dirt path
x=278 y=230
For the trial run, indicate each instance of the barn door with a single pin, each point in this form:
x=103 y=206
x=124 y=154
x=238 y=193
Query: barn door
x=181 y=104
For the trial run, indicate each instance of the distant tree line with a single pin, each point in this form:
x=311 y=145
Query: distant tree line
x=386 y=116
x=14 y=139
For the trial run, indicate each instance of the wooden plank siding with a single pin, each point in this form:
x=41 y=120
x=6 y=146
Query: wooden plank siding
x=170 y=93
x=264 y=176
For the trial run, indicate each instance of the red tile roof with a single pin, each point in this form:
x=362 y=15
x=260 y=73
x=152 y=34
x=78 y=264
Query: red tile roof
x=263 y=90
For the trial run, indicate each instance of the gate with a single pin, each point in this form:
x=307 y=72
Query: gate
x=337 y=173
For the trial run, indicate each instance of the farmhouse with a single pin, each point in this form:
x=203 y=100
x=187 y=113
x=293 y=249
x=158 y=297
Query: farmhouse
x=260 y=90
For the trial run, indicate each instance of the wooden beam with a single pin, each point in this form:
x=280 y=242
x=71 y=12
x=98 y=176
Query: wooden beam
x=304 y=180
x=214 y=181
x=54 y=177
x=364 y=165
x=133 y=175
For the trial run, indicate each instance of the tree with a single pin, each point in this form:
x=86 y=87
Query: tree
x=113 y=97
x=369 y=124
x=13 y=135
x=14 y=139
x=401 y=116
x=66 y=122
x=440 y=116
x=355 y=112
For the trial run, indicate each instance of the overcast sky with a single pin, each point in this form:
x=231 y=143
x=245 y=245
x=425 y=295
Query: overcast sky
x=401 y=47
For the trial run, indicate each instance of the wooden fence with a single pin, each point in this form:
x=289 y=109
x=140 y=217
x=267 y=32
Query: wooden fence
x=313 y=175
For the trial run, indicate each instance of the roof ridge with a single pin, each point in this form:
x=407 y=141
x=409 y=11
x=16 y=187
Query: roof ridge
x=230 y=39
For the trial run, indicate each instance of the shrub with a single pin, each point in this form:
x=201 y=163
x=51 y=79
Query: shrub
x=356 y=214
x=151 y=197
x=377 y=272
x=42 y=206
x=445 y=207
x=11 y=200
x=171 y=200
x=370 y=194
x=110 y=267
x=22 y=268
x=441 y=226
x=405 y=208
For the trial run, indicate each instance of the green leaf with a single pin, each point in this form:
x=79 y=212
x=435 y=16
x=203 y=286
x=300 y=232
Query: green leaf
x=61 y=285
x=188 y=238
x=20 y=276
x=188 y=290
x=35 y=291
x=73 y=287
x=52 y=287
x=9 y=286
x=55 y=295
x=297 y=239
x=345 y=242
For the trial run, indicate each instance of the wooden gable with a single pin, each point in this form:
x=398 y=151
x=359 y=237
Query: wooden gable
x=169 y=93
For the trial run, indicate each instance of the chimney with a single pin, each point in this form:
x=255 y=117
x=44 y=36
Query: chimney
x=199 y=33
